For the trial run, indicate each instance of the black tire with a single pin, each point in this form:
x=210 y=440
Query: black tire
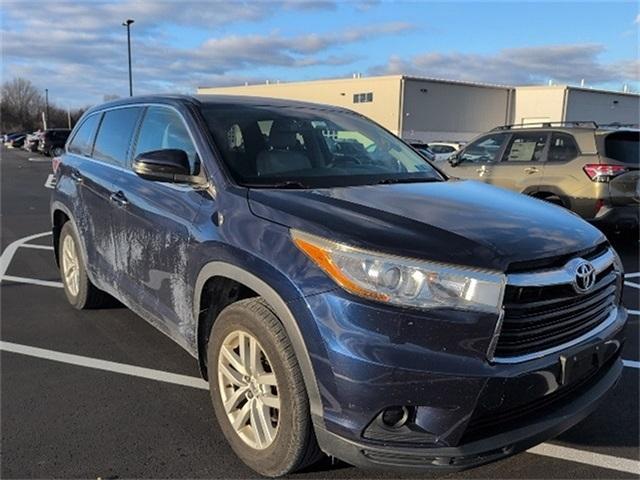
x=294 y=446
x=88 y=296
x=57 y=151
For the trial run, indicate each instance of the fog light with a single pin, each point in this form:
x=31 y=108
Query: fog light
x=395 y=417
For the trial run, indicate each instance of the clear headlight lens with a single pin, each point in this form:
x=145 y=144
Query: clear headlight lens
x=403 y=281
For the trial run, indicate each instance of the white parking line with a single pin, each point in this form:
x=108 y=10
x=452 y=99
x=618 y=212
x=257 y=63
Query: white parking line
x=545 y=449
x=631 y=363
x=632 y=275
x=37 y=247
x=10 y=251
x=50 y=182
x=33 y=281
x=588 y=458
x=97 y=364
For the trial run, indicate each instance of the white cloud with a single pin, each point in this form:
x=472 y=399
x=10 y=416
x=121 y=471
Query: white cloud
x=637 y=20
x=561 y=63
x=82 y=55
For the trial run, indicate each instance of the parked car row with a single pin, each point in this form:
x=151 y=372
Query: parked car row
x=49 y=142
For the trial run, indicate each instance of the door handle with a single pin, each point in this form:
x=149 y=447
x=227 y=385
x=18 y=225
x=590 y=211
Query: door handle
x=75 y=176
x=119 y=199
x=531 y=170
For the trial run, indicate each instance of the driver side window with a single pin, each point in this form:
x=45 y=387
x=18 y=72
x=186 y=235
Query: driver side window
x=162 y=128
x=483 y=150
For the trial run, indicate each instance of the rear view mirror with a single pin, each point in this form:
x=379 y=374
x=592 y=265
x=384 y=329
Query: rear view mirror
x=454 y=160
x=168 y=165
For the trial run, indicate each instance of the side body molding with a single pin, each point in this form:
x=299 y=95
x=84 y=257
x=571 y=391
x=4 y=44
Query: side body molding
x=280 y=308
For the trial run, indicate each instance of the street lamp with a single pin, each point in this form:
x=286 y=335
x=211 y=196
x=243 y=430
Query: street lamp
x=127 y=23
x=46 y=103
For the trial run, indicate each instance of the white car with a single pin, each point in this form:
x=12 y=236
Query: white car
x=443 y=150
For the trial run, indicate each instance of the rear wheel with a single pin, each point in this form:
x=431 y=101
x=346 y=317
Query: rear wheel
x=257 y=390
x=80 y=292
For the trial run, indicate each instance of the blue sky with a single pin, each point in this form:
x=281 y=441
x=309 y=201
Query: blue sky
x=81 y=55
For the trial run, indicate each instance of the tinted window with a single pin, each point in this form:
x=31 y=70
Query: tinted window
x=82 y=142
x=305 y=146
x=526 y=147
x=163 y=128
x=114 y=135
x=562 y=148
x=623 y=146
x=441 y=148
x=485 y=149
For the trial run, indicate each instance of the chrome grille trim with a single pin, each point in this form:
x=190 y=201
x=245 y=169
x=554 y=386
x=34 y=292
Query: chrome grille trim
x=610 y=320
x=554 y=278
x=564 y=275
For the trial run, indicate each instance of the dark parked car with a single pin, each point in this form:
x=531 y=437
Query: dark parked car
x=52 y=141
x=423 y=149
x=16 y=141
x=367 y=308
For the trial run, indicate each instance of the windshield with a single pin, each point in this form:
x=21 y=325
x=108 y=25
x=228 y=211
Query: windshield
x=304 y=147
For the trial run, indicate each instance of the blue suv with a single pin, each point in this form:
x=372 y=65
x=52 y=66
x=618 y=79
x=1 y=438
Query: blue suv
x=341 y=295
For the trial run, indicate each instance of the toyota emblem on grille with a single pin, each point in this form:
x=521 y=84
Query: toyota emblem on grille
x=585 y=277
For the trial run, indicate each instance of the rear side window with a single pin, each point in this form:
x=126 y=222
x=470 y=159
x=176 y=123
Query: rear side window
x=562 y=148
x=441 y=148
x=526 y=147
x=623 y=146
x=82 y=142
x=163 y=128
x=114 y=135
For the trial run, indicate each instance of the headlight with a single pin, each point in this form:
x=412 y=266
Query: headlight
x=403 y=281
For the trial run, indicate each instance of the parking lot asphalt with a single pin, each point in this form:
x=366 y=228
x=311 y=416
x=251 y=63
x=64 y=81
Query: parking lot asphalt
x=91 y=394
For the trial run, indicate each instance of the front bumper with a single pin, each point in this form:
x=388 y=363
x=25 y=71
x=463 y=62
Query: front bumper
x=618 y=216
x=436 y=363
x=480 y=451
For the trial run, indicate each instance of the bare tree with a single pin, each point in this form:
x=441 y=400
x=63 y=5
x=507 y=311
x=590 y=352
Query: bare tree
x=20 y=105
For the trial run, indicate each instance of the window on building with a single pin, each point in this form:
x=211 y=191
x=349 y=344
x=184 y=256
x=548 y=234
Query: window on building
x=363 y=97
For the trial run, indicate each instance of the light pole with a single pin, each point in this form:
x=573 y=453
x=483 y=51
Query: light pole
x=46 y=103
x=127 y=23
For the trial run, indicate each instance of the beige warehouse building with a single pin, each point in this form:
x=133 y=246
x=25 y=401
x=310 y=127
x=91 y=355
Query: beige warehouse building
x=432 y=109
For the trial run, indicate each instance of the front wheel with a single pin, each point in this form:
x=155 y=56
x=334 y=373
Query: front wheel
x=257 y=390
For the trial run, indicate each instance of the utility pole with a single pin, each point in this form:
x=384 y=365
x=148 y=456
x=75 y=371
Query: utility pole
x=46 y=102
x=127 y=23
x=69 y=117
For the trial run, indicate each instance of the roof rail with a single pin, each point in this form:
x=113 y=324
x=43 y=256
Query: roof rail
x=573 y=123
x=614 y=125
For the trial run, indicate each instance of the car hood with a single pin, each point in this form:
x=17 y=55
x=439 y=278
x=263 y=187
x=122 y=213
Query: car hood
x=460 y=222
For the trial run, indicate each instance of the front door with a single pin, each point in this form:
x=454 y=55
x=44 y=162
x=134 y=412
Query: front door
x=155 y=227
x=477 y=160
x=522 y=164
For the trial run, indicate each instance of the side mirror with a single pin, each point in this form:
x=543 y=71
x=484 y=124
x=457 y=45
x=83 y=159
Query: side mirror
x=168 y=165
x=454 y=160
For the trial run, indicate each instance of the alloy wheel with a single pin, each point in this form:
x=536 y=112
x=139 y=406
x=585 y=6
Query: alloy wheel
x=70 y=265
x=249 y=389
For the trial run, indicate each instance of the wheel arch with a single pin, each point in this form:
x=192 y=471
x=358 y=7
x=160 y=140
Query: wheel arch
x=224 y=270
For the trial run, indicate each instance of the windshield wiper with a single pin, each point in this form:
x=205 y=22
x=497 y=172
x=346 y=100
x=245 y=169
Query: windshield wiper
x=389 y=181
x=293 y=184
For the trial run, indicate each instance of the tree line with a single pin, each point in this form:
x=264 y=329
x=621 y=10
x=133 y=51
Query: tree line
x=22 y=105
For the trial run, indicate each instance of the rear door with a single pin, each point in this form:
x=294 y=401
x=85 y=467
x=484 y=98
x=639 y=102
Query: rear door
x=522 y=164
x=100 y=178
x=622 y=150
x=154 y=226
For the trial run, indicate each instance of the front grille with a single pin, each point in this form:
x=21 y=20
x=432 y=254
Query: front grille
x=542 y=317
